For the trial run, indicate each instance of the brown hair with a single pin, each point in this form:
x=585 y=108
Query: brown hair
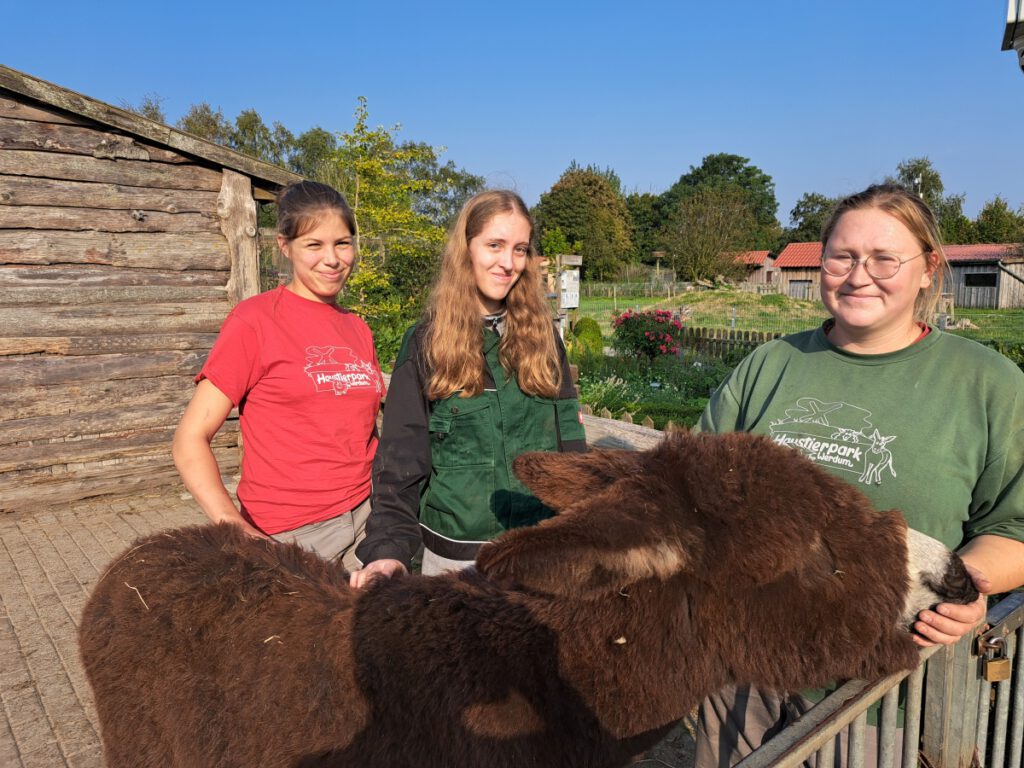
x=300 y=206
x=911 y=211
x=453 y=317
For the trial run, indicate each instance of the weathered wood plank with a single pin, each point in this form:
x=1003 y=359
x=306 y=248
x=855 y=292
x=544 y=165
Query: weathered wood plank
x=23 y=402
x=132 y=250
x=33 y=370
x=114 y=319
x=33 y=489
x=237 y=212
x=25 y=190
x=105 y=344
x=103 y=220
x=94 y=141
x=96 y=276
x=64 y=99
x=58 y=457
x=134 y=294
x=82 y=423
x=605 y=433
x=139 y=173
x=19 y=110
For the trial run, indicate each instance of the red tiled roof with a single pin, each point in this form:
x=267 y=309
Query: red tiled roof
x=981 y=252
x=808 y=255
x=753 y=258
x=799 y=256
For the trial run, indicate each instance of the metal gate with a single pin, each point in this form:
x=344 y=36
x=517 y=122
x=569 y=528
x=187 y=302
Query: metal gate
x=954 y=716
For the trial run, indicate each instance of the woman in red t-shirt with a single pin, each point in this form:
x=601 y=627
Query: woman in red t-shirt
x=304 y=376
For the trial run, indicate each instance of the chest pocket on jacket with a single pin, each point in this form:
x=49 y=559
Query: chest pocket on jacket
x=461 y=433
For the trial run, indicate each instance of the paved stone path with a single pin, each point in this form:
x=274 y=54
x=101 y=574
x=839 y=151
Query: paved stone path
x=49 y=562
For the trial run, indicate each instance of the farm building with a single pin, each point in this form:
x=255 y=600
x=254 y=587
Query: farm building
x=987 y=276
x=123 y=245
x=798 y=266
x=760 y=267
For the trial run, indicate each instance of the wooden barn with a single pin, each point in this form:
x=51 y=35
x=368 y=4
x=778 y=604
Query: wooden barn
x=986 y=276
x=798 y=270
x=123 y=245
x=760 y=267
x=983 y=276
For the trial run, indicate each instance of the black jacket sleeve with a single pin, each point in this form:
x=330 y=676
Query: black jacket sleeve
x=402 y=463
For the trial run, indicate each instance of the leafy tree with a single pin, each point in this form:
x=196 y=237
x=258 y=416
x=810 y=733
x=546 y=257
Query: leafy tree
x=150 y=108
x=757 y=191
x=589 y=210
x=706 y=230
x=201 y=120
x=449 y=186
x=554 y=242
x=919 y=176
x=645 y=220
x=312 y=155
x=808 y=217
x=998 y=223
x=398 y=245
x=252 y=136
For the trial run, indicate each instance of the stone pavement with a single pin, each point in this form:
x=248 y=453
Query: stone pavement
x=49 y=561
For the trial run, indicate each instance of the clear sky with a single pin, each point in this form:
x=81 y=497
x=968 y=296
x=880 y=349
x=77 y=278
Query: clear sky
x=824 y=96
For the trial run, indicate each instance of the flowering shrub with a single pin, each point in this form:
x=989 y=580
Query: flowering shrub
x=651 y=333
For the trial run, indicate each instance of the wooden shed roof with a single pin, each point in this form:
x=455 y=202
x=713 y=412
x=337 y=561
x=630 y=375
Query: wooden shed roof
x=271 y=176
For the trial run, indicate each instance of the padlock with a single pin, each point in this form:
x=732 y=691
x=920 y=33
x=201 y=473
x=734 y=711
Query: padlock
x=995 y=667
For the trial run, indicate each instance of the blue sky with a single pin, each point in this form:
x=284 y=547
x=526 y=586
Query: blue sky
x=823 y=96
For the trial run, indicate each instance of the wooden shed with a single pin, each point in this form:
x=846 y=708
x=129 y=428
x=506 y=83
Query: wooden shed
x=987 y=276
x=123 y=245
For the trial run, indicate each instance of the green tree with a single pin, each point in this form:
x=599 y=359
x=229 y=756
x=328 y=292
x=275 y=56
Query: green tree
x=151 y=108
x=998 y=223
x=589 y=210
x=808 y=217
x=447 y=188
x=756 y=188
x=312 y=155
x=645 y=223
x=918 y=175
x=398 y=246
x=252 y=136
x=706 y=230
x=203 y=121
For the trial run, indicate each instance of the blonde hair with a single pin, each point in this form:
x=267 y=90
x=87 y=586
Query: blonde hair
x=454 y=324
x=916 y=216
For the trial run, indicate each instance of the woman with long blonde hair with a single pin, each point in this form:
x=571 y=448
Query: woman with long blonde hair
x=481 y=379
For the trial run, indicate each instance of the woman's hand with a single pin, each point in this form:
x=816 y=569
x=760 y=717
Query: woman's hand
x=949 y=622
x=376 y=570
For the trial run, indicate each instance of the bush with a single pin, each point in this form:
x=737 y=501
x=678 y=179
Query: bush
x=666 y=389
x=1014 y=350
x=588 y=335
x=647 y=333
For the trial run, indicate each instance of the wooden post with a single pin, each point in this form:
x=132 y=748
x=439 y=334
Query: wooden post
x=237 y=211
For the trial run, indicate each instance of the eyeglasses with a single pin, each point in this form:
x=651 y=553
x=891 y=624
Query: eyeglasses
x=880 y=266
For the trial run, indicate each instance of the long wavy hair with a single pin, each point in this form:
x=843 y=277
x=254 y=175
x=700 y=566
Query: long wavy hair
x=453 y=320
x=911 y=211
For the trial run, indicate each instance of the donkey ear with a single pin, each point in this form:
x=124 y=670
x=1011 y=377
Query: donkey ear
x=563 y=479
x=589 y=550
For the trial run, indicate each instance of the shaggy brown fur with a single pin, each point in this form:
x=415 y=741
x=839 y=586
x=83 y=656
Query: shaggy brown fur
x=578 y=643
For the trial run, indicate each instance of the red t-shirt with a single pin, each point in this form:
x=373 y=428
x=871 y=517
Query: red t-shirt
x=305 y=378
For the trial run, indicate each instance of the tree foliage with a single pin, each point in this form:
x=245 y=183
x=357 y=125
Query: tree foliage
x=399 y=246
x=645 y=219
x=998 y=223
x=151 y=107
x=703 y=235
x=755 y=187
x=808 y=217
x=589 y=210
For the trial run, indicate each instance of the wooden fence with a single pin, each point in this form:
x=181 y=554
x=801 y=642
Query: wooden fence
x=723 y=342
